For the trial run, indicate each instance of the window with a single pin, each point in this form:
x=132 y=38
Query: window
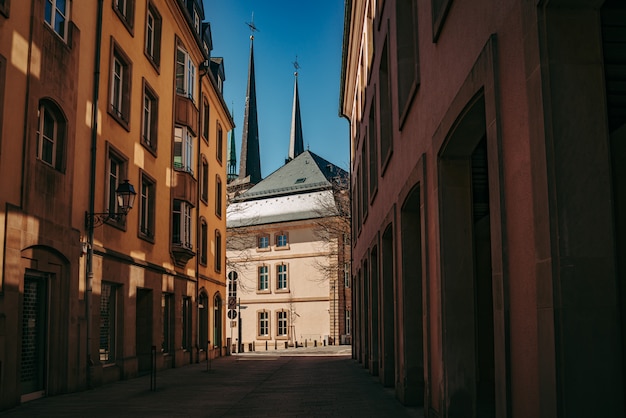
x=348 y=323
x=282 y=239
x=51 y=135
x=108 y=322
x=3 y=73
x=125 y=11
x=264 y=278
x=218 y=196
x=196 y=20
x=116 y=173
x=386 y=125
x=204 y=195
x=218 y=251
x=364 y=184
x=153 y=35
x=119 y=98
x=205 y=119
x=56 y=14
x=4 y=7
x=346 y=275
x=406 y=52
x=167 y=313
x=204 y=241
x=263 y=242
x=281 y=320
x=220 y=143
x=186 y=322
x=282 y=282
x=439 y=12
x=181 y=224
x=150 y=117
x=147 y=207
x=372 y=141
x=264 y=324
x=356 y=218
x=183 y=149
x=185 y=74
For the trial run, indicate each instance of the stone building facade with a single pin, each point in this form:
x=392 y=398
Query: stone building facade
x=487 y=190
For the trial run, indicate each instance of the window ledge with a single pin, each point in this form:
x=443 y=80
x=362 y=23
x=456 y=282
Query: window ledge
x=146 y=237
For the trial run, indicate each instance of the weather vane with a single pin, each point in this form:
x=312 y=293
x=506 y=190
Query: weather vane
x=252 y=27
x=296 y=65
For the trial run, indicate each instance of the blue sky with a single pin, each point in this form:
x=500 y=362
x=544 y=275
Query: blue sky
x=310 y=30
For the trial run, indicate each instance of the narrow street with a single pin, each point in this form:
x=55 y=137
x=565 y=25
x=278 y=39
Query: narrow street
x=302 y=382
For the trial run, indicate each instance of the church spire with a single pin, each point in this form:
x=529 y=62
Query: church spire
x=232 y=156
x=250 y=162
x=296 y=142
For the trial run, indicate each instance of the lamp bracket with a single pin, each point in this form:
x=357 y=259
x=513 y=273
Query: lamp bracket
x=94 y=220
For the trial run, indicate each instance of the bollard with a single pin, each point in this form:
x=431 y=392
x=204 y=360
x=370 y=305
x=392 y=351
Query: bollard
x=286 y=345
x=275 y=344
x=324 y=343
x=153 y=369
x=315 y=343
x=305 y=344
x=265 y=345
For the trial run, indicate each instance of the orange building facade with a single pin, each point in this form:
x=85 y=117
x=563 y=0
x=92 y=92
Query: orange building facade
x=91 y=96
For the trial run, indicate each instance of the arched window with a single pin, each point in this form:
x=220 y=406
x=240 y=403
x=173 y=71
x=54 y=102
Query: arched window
x=218 y=196
x=204 y=241
x=51 y=134
x=218 y=251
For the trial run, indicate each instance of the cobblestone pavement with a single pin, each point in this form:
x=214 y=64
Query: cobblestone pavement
x=303 y=382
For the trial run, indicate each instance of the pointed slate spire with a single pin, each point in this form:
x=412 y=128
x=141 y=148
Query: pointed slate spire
x=296 y=142
x=232 y=156
x=250 y=162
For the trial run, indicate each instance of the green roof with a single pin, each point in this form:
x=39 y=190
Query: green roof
x=305 y=173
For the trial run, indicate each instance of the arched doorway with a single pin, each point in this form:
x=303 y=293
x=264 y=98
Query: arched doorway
x=387 y=322
x=43 y=313
x=468 y=311
x=217 y=320
x=203 y=320
x=412 y=305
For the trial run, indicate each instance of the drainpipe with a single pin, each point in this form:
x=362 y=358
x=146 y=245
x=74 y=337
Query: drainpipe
x=198 y=230
x=92 y=188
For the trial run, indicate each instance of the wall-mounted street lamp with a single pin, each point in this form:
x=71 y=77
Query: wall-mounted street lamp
x=125 y=199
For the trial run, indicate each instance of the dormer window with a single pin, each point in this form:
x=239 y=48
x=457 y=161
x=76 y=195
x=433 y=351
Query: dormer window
x=196 y=21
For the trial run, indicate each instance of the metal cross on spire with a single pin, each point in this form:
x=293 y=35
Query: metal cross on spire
x=296 y=65
x=252 y=27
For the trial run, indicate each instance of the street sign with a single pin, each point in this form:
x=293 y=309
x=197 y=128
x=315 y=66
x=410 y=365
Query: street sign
x=232 y=314
x=232 y=302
